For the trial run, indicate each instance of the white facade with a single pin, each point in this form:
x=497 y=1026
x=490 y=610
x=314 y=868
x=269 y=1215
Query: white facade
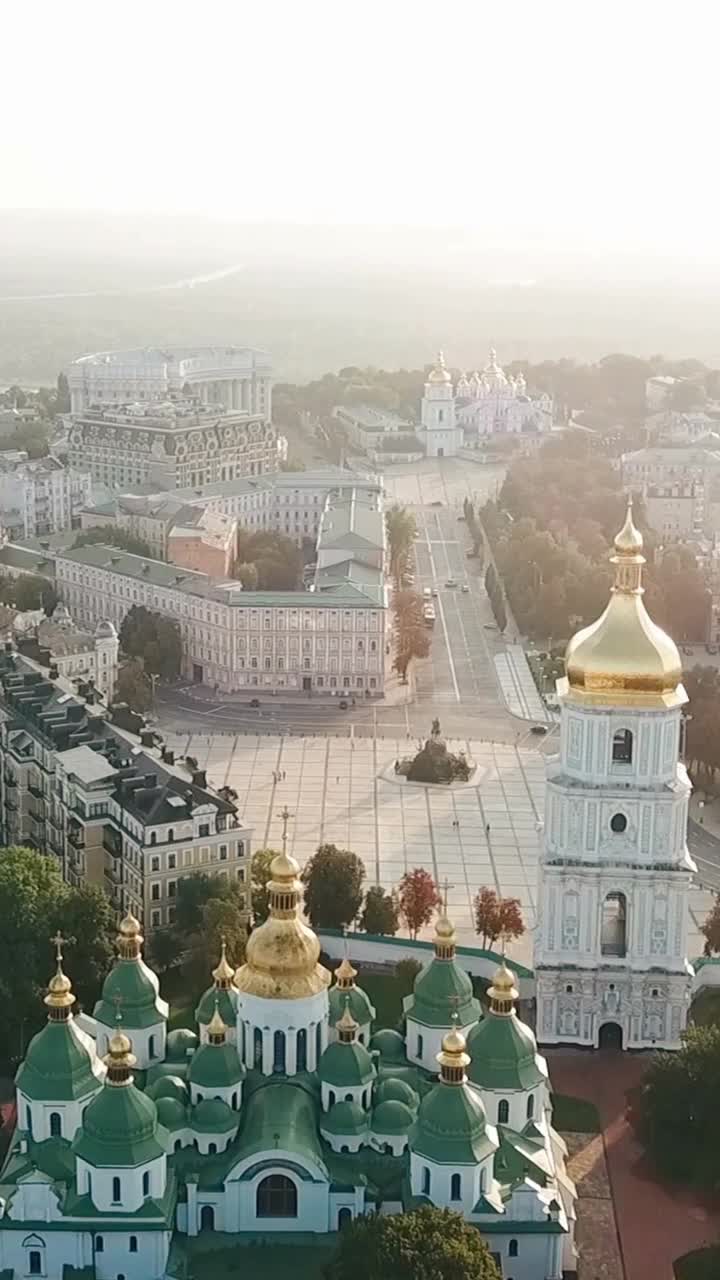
x=491 y=403
x=237 y=377
x=441 y=433
x=615 y=871
x=41 y=496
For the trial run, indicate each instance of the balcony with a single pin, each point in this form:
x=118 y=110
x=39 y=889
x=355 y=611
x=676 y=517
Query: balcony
x=10 y=780
x=76 y=838
x=36 y=791
x=37 y=812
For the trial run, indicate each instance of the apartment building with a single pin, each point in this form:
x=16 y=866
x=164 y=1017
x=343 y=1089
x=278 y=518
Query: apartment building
x=40 y=496
x=110 y=804
x=332 y=638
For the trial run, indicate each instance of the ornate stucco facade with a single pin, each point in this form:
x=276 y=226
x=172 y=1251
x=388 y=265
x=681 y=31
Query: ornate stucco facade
x=615 y=871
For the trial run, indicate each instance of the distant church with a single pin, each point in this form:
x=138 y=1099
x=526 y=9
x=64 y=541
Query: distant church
x=615 y=872
x=482 y=405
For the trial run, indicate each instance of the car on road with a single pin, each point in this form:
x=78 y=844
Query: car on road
x=254 y=702
x=343 y=705
x=539 y=729
x=461 y=519
x=489 y=626
x=437 y=503
x=451 y=582
x=464 y=588
x=434 y=593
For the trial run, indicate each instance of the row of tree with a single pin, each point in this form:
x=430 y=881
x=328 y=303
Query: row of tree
x=28 y=593
x=412 y=637
x=496 y=596
x=474 y=529
x=268 y=561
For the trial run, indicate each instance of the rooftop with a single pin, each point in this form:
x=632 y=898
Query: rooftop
x=176 y=359
x=370 y=419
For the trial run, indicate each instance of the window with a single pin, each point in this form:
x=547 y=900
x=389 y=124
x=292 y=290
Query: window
x=455 y=1186
x=155 y=892
x=419 y=1050
x=153 y=837
x=503 y=1111
x=276 y=1197
x=35 y=1261
x=513 y=1249
x=426 y=1182
x=531 y=1106
x=171 y=833
x=171 y=888
x=613 y=938
x=154 y=862
x=133 y=1244
x=155 y=919
x=279 y=1052
x=622 y=746
x=212 y=1148
x=618 y=823
x=172 y=861
x=569 y=989
x=55 y=1124
x=99 y=1244
x=116 y=1190
x=223 y=853
x=204 y=829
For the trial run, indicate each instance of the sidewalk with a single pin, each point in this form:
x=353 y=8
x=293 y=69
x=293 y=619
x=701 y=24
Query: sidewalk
x=518 y=686
x=705 y=810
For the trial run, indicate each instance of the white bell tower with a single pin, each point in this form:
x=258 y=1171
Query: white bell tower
x=442 y=436
x=615 y=871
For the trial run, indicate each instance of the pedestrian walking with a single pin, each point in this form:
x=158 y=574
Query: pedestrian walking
x=487 y=828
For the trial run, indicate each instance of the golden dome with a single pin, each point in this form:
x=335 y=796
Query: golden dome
x=345 y=974
x=346 y=1022
x=224 y=971
x=623 y=657
x=439 y=373
x=216 y=1026
x=59 y=995
x=452 y=1057
x=454 y=1041
x=444 y=928
x=129 y=926
x=282 y=954
x=503 y=984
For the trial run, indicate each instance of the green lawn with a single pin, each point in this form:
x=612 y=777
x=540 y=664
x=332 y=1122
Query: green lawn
x=272 y=1262
x=574 y=1115
x=702 y=1264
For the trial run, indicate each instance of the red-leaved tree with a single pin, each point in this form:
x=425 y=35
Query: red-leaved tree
x=497 y=917
x=418 y=897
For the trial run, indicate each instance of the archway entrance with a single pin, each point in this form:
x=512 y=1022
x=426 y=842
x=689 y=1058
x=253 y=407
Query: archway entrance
x=207 y=1218
x=611 y=1036
x=277 y=1197
x=344 y=1216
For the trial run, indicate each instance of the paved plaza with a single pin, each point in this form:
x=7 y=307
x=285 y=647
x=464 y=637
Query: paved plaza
x=339 y=792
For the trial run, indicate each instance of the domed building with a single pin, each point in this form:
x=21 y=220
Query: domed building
x=481 y=405
x=133 y=987
x=615 y=872
x=285 y=1128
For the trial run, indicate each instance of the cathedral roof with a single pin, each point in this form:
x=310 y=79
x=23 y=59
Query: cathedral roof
x=391 y=1089
x=130 y=984
x=355 y=999
x=171 y=1113
x=439 y=372
x=344 y=1118
x=179 y=1043
x=281 y=1116
x=624 y=658
x=58 y=1065
x=227 y=1002
x=213 y=1116
x=502 y=1049
x=392 y=1116
x=216 y=1066
x=443 y=987
x=346 y=1064
x=389 y=1044
x=451 y=1127
x=119 y=1129
x=168 y=1087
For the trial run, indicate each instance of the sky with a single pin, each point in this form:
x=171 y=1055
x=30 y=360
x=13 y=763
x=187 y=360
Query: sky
x=568 y=124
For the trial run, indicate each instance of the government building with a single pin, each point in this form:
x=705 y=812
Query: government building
x=284 y=1115
x=615 y=871
x=238 y=378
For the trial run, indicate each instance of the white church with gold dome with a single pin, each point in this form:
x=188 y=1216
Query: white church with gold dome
x=286 y=1112
x=615 y=872
x=477 y=406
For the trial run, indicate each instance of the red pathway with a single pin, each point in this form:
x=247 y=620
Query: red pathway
x=656 y=1224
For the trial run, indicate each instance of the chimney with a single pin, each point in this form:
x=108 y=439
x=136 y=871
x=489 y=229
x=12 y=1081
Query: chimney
x=199 y=778
x=147 y=737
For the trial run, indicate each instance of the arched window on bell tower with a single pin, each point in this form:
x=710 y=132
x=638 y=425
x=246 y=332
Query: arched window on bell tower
x=622 y=746
x=613 y=933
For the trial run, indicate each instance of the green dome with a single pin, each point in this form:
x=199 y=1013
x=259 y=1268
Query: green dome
x=504 y=1054
x=178 y=1044
x=450 y=1127
x=352 y=998
x=171 y=1113
x=213 y=1116
x=442 y=989
x=392 y=1117
x=346 y=1065
x=58 y=1066
x=389 y=1044
x=168 y=1087
x=130 y=986
x=119 y=1129
x=216 y=1066
x=344 y=1118
x=391 y=1090
x=227 y=1003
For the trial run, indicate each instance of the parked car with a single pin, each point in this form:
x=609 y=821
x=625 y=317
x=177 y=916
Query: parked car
x=254 y=702
x=540 y=729
x=451 y=582
x=343 y=704
x=465 y=588
x=434 y=593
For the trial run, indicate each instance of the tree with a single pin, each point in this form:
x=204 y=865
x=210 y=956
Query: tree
x=400 y=528
x=380 y=914
x=222 y=920
x=333 y=887
x=28 y=593
x=676 y=1116
x=193 y=892
x=154 y=639
x=276 y=559
x=166 y=948
x=247 y=574
x=259 y=876
x=497 y=917
x=425 y=1244
x=85 y=913
x=406 y=971
x=110 y=535
x=134 y=687
x=418 y=897
x=711 y=929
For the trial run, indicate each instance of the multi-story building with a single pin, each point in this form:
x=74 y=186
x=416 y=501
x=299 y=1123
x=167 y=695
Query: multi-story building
x=40 y=496
x=112 y=806
x=680 y=486
x=615 y=872
x=240 y=378
x=74 y=654
x=332 y=638
x=170 y=444
x=375 y=431
x=288 y=502
x=206 y=540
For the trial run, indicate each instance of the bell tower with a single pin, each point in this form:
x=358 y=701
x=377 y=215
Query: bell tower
x=441 y=433
x=615 y=871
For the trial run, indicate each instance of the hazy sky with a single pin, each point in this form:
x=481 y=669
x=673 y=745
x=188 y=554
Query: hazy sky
x=583 y=122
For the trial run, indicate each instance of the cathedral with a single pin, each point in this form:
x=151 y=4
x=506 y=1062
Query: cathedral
x=478 y=406
x=615 y=872
x=284 y=1112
